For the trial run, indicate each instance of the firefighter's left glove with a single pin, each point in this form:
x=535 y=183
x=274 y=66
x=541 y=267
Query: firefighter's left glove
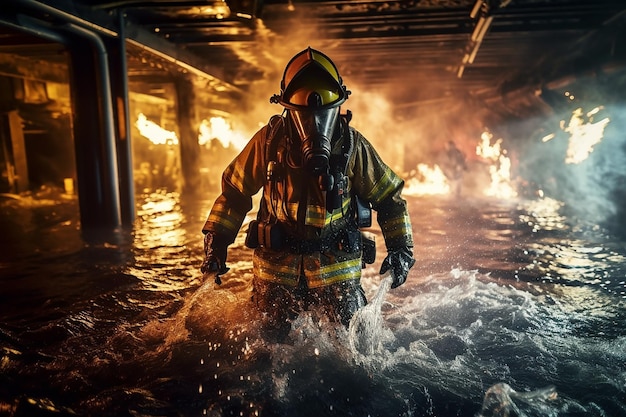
x=399 y=261
x=214 y=256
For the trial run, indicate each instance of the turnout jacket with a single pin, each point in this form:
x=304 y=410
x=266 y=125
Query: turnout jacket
x=294 y=201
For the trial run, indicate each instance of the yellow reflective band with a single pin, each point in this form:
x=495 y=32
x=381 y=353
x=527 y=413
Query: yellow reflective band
x=285 y=272
x=237 y=177
x=285 y=268
x=387 y=184
x=318 y=216
x=224 y=217
x=338 y=213
x=315 y=216
x=330 y=274
x=397 y=227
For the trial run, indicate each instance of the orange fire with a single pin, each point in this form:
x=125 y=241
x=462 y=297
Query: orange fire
x=427 y=180
x=155 y=133
x=220 y=129
x=500 y=168
x=583 y=136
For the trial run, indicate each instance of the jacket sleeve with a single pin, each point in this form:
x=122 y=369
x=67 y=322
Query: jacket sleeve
x=375 y=182
x=241 y=180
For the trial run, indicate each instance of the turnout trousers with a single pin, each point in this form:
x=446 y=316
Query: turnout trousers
x=280 y=304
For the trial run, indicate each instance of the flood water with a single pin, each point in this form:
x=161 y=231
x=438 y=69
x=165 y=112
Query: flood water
x=513 y=309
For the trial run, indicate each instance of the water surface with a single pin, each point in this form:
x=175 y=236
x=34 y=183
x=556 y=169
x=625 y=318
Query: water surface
x=513 y=308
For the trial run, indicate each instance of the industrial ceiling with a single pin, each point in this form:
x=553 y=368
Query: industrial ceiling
x=502 y=53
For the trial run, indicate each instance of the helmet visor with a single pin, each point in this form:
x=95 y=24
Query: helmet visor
x=313 y=93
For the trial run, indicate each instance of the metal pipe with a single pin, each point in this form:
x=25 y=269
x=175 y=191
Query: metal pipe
x=67 y=17
x=126 y=154
x=476 y=8
x=107 y=116
x=30 y=25
x=478 y=28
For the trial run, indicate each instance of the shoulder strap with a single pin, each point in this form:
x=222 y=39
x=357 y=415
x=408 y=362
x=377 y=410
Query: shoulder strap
x=275 y=130
x=347 y=145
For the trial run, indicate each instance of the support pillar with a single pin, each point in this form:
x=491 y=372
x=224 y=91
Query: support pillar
x=187 y=124
x=121 y=114
x=14 y=150
x=94 y=138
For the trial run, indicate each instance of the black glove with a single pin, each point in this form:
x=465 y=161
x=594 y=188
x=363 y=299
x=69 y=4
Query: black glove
x=399 y=260
x=214 y=256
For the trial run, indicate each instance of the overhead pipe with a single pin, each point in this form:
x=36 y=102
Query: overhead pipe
x=476 y=8
x=483 y=24
x=107 y=116
x=70 y=18
x=479 y=39
x=112 y=179
x=64 y=16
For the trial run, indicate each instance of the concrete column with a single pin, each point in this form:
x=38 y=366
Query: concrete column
x=188 y=131
x=121 y=115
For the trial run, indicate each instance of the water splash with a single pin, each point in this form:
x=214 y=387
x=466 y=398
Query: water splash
x=366 y=326
x=503 y=401
x=198 y=307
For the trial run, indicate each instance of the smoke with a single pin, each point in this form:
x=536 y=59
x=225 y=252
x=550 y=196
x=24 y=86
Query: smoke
x=403 y=136
x=592 y=187
x=411 y=134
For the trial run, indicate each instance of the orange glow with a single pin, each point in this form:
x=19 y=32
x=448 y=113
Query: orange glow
x=218 y=128
x=155 y=133
x=500 y=168
x=427 y=181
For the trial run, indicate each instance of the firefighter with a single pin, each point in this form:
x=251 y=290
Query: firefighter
x=320 y=179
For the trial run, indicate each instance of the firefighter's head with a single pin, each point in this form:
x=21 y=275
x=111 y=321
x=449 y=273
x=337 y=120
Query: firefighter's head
x=312 y=91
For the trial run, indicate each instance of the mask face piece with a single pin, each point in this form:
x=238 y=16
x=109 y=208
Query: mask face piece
x=315 y=129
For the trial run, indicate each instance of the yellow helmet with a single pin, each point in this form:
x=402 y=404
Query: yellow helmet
x=311 y=80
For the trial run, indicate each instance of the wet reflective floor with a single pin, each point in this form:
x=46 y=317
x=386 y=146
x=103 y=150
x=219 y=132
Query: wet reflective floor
x=512 y=309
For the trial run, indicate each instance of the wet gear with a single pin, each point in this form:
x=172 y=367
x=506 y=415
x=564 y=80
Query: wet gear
x=315 y=171
x=399 y=261
x=215 y=251
x=281 y=305
x=294 y=200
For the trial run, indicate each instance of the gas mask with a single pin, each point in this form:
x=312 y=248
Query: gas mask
x=315 y=129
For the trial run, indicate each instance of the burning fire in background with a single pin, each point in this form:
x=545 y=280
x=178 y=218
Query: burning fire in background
x=579 y=161
x=218 y=128
x=499 y=168
x=155 y=133
x=584 y=135
x=489 y=171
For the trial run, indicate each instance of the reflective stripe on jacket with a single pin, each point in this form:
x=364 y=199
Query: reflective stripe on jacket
x=318 y=268
x=369 y=177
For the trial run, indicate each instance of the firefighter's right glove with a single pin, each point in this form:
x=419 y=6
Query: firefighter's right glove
x=214 y=256
x=399 y=260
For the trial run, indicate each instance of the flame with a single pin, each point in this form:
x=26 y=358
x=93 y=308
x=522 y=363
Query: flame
x=427 y=181
x=500 y=168
x=583 y=136
x=220 y=129
x=154 y=132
